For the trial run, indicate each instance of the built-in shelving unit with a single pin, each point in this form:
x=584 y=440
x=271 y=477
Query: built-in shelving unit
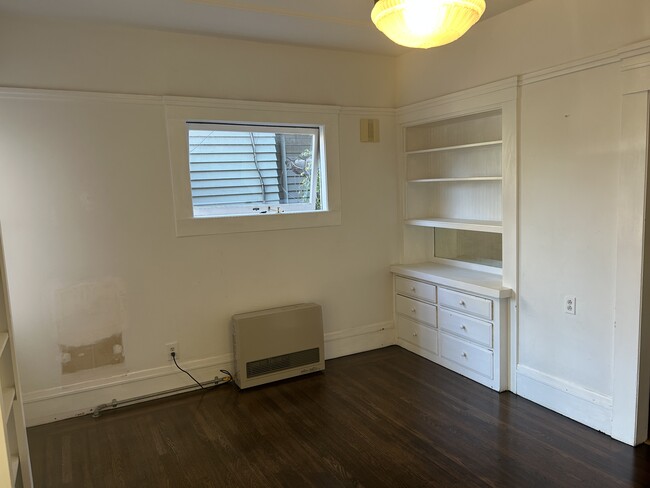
x=457 y=275
x=453 y=181
x=15 y=467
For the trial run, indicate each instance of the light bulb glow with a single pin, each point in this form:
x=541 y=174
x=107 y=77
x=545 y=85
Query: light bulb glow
x=426 y=23
x=423 y=17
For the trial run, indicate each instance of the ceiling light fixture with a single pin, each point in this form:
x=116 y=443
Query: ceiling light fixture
x=426 y=23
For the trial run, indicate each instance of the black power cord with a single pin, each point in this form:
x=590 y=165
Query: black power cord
x=187 y=373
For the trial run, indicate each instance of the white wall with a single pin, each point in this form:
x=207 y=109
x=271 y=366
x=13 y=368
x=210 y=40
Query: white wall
x=85 y=197
x=570 y=128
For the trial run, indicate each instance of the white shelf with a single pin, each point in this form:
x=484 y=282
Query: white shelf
x=14 y=463
x=455 y=147
x=460 y=224
x=4 y=338
x=451 y=180
x=8 y=396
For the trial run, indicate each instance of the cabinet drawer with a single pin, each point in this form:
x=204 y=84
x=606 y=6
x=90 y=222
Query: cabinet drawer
x=418 y=334
x=416 y=310
x=467 y=355
x=461 y=325
x=417 y=289
x=481 y=307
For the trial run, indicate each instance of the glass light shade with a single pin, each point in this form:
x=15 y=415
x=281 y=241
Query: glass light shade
x=426 y=23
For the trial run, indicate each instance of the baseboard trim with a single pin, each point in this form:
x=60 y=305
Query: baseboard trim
x=573 y=401
x=359 y=339
x=67 y=401
x=52 y=404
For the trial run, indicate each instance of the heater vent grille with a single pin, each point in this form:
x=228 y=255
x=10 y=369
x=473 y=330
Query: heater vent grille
x=277 y=343
x=279 y=363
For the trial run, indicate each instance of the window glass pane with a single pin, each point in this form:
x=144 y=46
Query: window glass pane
x=238 y=170
x=298 y=153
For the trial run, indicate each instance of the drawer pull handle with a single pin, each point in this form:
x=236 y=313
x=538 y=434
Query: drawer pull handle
x=413 y=310
x=412 y=288
x=415 y=334
x=464 y=355
x=461 y=303
x=464 y=327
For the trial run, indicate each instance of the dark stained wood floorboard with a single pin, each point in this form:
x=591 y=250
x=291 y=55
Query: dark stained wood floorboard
x=384 y=418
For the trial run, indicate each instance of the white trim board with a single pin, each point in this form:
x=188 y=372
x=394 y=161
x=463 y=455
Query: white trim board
x=631 y=362
x=364 y=111
x=609 y=57
x=224 y=103
x=70 y=95
x=490 y=96
x=573 y=401
x=52 y=404
x=359 y=339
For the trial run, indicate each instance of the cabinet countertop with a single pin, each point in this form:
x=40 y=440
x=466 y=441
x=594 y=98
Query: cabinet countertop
x=470 y=280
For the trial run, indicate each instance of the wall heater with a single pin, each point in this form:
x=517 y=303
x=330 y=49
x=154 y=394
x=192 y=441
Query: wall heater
x=277 y=343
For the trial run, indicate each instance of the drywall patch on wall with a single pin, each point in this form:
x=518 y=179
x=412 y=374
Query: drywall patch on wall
x=90 y=318
x=102 y=353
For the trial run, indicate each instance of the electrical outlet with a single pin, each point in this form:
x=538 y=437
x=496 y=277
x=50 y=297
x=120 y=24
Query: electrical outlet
x=171 y=347
x=570 y=304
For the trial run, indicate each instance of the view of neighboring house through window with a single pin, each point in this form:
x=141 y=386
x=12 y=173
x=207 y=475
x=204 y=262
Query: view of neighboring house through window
x=251 y=169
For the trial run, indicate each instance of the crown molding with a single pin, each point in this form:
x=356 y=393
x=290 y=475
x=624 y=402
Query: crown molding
x=67 y=95
x=591 y=62
x=361 y=111
x=71 y=95
x=249 y=105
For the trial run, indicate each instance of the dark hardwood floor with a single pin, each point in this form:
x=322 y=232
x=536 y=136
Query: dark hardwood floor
x=385 y=418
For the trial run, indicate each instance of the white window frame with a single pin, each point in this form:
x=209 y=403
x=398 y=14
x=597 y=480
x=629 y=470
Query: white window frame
x=218 y=211
x=180 y=111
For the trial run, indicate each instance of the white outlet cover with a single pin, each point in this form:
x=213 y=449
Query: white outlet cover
x=570 y=304
x=167 y=348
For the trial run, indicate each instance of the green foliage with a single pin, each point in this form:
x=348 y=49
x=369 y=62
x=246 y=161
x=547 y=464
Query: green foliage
x=307 y=175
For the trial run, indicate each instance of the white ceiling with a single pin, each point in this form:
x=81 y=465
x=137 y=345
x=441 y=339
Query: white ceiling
x=338 y=24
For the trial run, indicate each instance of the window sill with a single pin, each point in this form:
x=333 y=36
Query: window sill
x=255 y=223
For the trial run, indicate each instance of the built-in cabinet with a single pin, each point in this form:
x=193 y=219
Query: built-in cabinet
x=458 y=201
x=456 y=319
x=15 y=467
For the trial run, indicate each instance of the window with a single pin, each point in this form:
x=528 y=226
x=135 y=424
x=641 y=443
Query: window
x=252 y=166
x=254 y=169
